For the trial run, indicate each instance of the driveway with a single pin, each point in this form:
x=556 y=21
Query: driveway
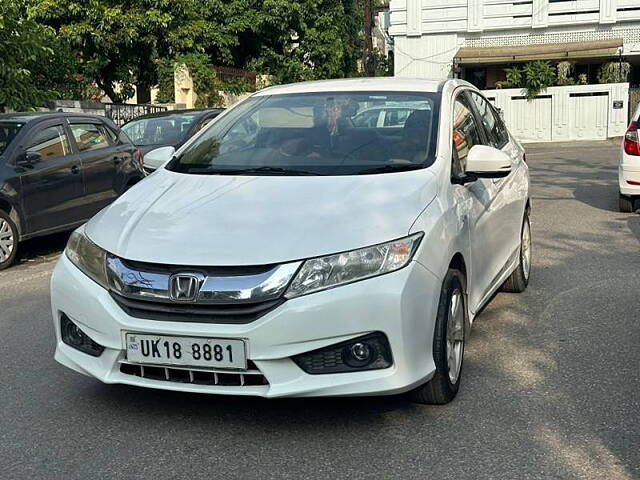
x=551 y=383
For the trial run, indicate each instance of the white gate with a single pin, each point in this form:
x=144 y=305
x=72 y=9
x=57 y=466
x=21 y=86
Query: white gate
x=580 y=112
x=530 y=121
x=589 y=115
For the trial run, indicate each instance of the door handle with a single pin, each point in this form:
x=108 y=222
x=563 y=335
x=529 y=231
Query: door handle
x=75 y=169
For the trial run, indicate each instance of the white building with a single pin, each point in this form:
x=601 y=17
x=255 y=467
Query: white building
x=477 y=39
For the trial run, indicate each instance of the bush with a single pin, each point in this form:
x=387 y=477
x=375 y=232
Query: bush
x=539 y=75
x=614 y=72
x=535 y=77
x=514 y=78
x=565 y=71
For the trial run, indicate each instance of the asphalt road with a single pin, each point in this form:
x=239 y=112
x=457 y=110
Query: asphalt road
x=550 y=388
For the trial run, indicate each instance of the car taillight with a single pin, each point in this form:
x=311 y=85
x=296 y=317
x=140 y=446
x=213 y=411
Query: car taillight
x=631 y=140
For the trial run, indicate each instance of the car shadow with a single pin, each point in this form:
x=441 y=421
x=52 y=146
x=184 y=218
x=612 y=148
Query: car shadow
x=213 y=409
x=634 y=225
x=41 y=249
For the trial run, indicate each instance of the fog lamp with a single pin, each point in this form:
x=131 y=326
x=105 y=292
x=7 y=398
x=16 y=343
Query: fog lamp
x=358 y=354
x=76 y=338
x=369 y=352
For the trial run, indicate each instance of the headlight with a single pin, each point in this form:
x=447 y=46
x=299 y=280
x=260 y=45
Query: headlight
x=87 y=256
x=327 y=272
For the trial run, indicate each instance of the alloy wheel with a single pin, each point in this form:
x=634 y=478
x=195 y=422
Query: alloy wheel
x=455 y=335
x=7 y=242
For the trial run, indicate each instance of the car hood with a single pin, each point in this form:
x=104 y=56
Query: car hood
x=222 y=220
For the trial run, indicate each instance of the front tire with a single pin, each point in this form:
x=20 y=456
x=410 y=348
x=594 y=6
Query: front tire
x=519 y=279
x=448 y=343
x=626 y=204
x=8 y=240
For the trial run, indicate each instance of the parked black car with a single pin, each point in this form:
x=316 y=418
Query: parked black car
x=167 y=129
x=57 y=170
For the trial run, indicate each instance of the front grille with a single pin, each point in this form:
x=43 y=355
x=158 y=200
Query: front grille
x=250 y=377
x=227 y=271
x=233 y=313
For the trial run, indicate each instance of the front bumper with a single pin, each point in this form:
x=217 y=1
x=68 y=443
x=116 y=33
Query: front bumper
x=402 y=305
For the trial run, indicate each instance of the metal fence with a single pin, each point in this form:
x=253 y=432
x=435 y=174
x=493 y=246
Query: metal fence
x=247 y=77
x=634 y=100
x=122 y=113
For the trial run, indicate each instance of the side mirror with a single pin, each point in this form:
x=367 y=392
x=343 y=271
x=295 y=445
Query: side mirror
x=157 y=158
x=29 y=159
x=487 y=162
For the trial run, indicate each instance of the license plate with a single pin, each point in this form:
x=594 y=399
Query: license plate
x=186 y=351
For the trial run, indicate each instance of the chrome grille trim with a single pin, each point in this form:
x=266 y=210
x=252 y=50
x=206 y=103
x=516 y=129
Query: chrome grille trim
x=235 y=314
x=151 y=283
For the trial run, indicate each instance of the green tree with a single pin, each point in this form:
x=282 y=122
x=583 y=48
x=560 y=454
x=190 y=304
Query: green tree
x=59 y=75
x=301 y=40
x=24 y=43
x=118 y=42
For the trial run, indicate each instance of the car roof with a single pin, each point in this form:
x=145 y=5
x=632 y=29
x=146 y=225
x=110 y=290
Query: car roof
x=167 y=113
x=389 y=84
x=26 y=117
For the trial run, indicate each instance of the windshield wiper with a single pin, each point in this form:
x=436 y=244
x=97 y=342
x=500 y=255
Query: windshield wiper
x=248 y=171
x=391 y=168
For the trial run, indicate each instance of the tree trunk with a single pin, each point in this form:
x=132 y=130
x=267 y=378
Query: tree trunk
x=143 y=94
x=107 y=87
x=369 y=61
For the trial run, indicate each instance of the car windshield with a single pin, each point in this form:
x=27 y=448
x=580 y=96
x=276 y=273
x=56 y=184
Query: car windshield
x=8 y=131
x=317 y=134
x=164 y=130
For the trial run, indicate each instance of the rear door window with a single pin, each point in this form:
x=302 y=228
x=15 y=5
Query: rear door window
x=89 y=136
x=110 y=133
x=50 y=142
x=367 y=119
x=496 y=132
x=396 y=117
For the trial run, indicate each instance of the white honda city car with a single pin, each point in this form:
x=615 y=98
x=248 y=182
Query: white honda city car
x=285 y=251
x=629 y=168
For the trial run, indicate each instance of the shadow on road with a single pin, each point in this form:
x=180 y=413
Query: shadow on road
x=239 y=409
x=42 y=248
x=634 y=226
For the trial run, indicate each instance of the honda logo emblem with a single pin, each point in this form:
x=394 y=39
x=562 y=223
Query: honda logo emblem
x=184 y=287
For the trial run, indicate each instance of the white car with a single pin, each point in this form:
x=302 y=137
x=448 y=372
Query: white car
x=629 y=168
x=309 y=258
